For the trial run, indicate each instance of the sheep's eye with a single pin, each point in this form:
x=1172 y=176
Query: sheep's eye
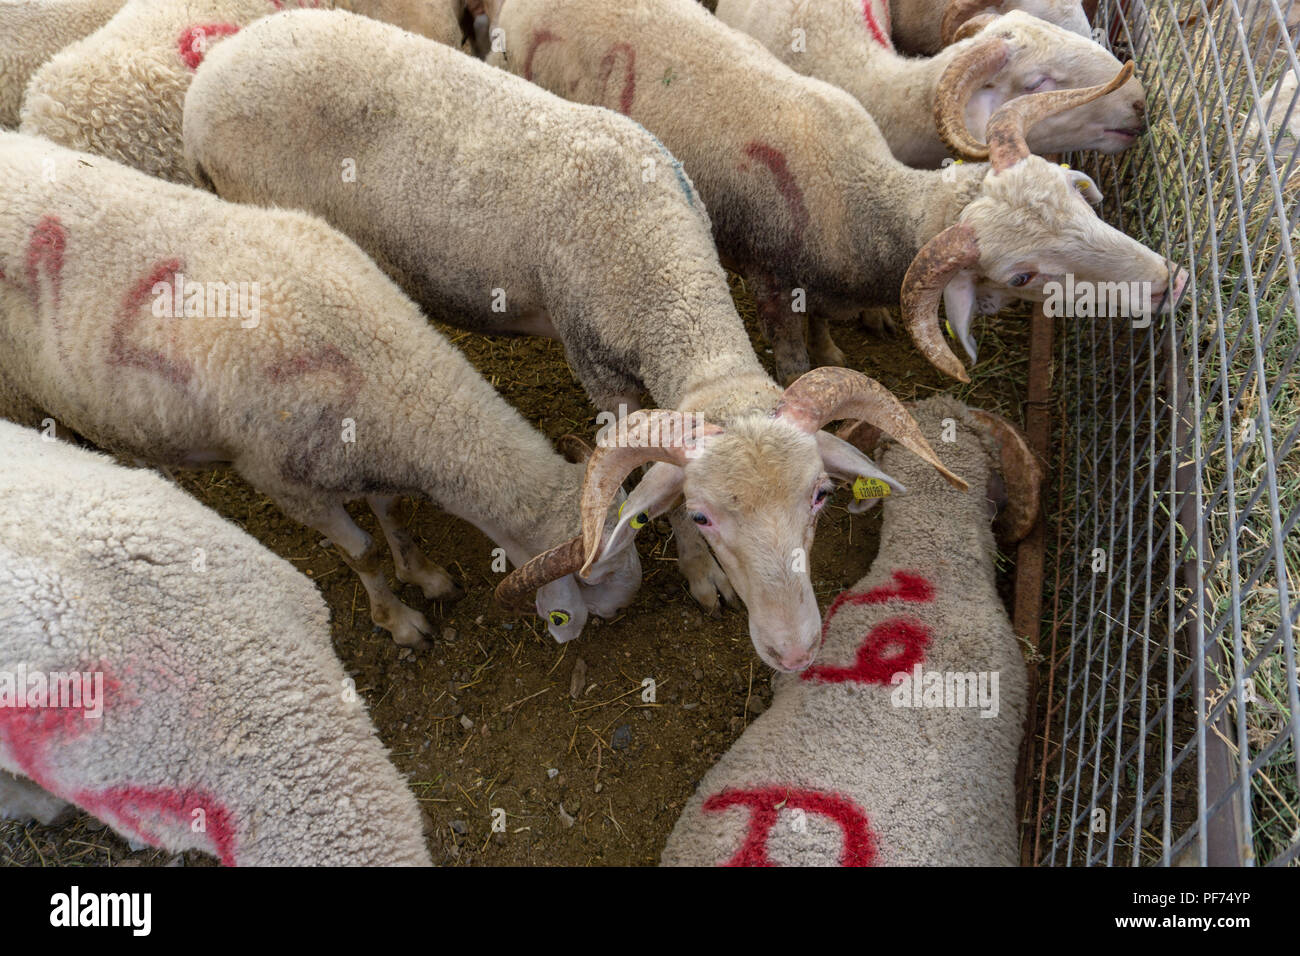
x=700 y=519
x=821 y=496
x=559 y=618
x=1020 y=278
x=1030 y=87
x=640 y=520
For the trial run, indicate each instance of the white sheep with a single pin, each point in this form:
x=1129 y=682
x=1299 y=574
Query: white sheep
x=805 y=197
x=899 y=748
x=31 y=31
x=924 y=27
x=166 y=673
x=502 y=208
x=264 y=338
x=926 y=106
x=120 y=91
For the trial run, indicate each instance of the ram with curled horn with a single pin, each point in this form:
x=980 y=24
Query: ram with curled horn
x=1003 y=247
x=924 y=27
x=753 y=486
x=806 y=200
x=926 y=107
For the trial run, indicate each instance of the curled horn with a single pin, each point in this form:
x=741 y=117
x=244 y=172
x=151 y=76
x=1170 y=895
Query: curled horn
x=574 y=449
x=515 y=592
x=950 y=252
x=969 y=71
x=829 y=394
x=1022 y=476
x=973 y=26
x=1007 y=127
x=957 y=13
x=653 y=435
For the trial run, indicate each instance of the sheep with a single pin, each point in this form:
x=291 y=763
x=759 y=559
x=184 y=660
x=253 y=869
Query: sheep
x=925 y=106
x=854 y=763
x=192 y=697
x=477 y=189
x=924 y=27
x=806 y=200
x=31 y=31
x=120 y=91
x=266 y=339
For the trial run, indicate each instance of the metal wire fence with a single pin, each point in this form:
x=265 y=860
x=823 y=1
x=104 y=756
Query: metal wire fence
x=1172 y=724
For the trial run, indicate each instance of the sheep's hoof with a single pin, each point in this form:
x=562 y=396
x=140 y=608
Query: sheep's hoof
x=409 y=628
x=829 y=355
x=878 y=319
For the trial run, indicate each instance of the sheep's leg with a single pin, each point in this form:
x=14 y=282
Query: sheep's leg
x=21 y=799
x=409 y=561
x=708 y=582
x=783 y=329
x=878 y=319
x=821 y=347
x=409 y=627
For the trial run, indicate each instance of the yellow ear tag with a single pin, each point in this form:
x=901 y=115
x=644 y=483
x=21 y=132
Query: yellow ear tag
x=948 y=325
x=869 y=488
x=639 y=520
x=559 y=618
x=1065 y=165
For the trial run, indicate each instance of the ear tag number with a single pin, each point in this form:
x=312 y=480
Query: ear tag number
x=864 y=488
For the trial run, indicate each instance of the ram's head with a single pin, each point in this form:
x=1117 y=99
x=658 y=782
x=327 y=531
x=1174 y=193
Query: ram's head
x=1067 y=14
x=1031 y=234
x=754 y=489
x=1016 y=55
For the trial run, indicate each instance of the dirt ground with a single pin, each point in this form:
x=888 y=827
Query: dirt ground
x=489 y=718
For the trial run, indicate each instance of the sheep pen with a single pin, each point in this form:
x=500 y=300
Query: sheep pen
x=1184 y=475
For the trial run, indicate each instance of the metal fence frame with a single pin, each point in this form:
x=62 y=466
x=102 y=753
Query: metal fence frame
x=1148 y=750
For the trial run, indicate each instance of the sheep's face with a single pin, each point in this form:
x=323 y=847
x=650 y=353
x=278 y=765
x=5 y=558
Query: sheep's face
x=1046 y=57
x=1067 y=14
x=1040 y=240
x=755 y=494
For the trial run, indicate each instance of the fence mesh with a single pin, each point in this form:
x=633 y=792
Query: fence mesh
x=1169 y=682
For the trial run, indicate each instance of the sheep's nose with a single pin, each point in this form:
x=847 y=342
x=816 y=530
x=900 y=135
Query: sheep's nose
x=796 y=660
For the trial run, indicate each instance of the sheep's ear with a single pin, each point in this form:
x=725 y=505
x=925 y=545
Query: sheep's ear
x=656 y=492
x=978 y=110
x=841 y=460
x=1087 y=188
x=959 y=310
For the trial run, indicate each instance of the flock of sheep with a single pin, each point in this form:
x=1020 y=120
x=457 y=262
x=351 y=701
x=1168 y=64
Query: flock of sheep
x=225 y=224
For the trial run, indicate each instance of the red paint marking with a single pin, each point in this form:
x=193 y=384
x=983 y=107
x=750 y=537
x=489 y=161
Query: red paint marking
x=327 y=358
x=629 y=75
x=193 y=42
x=146 y=811
x=539 y=38
x=908 y=586
x=870 y=16
x=123 y=353
x=29 y=734
x=891 y=647
x=873 y=664
x=775 y=161
x=45 y=250
x=765 y=803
